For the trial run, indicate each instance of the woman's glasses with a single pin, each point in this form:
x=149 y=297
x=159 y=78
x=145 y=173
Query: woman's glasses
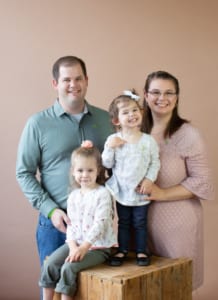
x=157 y=94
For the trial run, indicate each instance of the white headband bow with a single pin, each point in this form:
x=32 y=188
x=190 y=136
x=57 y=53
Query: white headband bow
x=131 y=95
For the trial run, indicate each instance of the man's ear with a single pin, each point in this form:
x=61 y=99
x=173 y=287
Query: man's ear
x=54 y=83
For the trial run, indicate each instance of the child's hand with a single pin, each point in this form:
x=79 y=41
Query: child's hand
x=77 y=253
x=115 y=142
x=145 y=187
x=73 y=253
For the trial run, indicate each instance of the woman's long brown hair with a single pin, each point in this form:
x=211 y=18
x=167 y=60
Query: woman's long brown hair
x=176 y=121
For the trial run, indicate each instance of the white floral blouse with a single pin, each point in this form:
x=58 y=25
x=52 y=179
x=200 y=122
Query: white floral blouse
x=130 y=164
x=91 y=218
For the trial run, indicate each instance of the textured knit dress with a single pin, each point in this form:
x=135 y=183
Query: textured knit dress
x=176 y=227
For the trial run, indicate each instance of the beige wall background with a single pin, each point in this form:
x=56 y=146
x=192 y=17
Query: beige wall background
x=121 y=41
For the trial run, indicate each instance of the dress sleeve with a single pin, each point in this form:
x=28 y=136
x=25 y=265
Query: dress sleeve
x=192 y=149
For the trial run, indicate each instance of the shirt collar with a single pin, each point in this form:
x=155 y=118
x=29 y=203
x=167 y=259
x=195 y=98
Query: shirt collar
x=60 y=111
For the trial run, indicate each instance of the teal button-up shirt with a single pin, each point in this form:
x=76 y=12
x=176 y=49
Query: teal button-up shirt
x=46 y=145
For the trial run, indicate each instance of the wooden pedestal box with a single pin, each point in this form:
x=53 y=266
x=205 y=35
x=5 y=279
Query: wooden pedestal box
x=164 y=279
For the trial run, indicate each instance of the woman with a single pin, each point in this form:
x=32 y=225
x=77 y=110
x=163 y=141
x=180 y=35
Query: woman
x=175 y=218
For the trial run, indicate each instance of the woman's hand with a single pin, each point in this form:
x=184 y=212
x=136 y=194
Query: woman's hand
x=176 y=192
x=156 y=193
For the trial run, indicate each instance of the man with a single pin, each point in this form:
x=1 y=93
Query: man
x=46 y=144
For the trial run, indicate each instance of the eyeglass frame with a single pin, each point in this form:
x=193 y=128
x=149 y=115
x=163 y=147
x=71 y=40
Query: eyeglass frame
x=157 y=94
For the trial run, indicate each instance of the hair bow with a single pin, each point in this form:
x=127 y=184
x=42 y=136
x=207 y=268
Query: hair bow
x=87 y=144
x=131 y=95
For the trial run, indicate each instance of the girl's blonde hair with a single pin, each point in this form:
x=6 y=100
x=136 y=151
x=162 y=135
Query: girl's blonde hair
x=88 y=152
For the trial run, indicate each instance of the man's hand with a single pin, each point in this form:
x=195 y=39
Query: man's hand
x=59 y=219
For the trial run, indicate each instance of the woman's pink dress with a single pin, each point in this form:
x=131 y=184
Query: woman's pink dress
x=176 y=227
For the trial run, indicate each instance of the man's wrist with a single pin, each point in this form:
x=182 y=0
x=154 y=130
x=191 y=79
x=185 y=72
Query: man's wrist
x=51 y=213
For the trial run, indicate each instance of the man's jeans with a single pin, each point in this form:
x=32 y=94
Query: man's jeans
x=48 y=238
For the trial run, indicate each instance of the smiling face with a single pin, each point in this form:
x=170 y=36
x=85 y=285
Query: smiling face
x=71 y=87
x=161 y=97
x=85 y=171
x=129 y=115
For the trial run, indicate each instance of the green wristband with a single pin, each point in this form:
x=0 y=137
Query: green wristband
x=51 y=213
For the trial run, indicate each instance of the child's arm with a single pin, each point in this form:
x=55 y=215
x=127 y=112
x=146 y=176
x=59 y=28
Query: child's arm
x=102 y=217
x=154 y=165
x=108 y=155
x=145 y=186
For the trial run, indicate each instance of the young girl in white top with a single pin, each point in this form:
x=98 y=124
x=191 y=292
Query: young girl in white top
x=90 y=235
x=134 y=159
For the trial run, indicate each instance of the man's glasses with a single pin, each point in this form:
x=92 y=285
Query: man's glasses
x=157 y=94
